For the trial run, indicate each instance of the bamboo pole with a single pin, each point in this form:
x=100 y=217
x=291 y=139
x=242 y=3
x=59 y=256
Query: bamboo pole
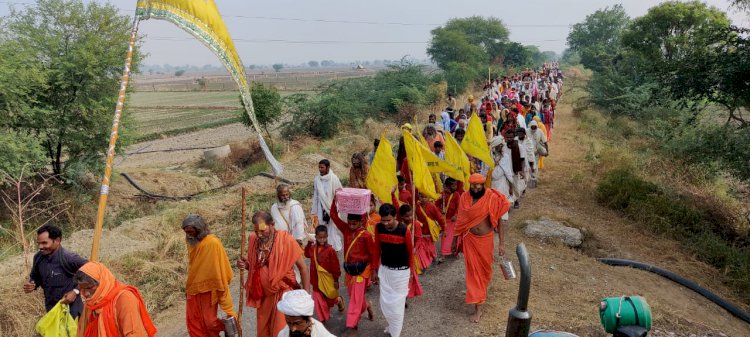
x=242 y=272
x=104 y=191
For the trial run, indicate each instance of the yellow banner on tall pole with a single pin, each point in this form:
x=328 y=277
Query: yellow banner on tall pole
x=421 y=177
x=382 y=176
x=455 y=155
x=475 y=141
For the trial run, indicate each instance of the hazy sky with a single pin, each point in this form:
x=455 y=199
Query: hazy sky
x=296 y=31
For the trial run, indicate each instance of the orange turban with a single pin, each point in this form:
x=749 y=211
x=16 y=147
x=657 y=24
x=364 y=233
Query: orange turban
x=477 y=178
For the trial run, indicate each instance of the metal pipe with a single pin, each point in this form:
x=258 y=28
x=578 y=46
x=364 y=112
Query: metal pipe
x=519 y=319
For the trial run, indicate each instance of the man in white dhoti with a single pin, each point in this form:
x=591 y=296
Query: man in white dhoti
x=394 y=250
x=297 y=307
x=325 y=185
x=288 y=214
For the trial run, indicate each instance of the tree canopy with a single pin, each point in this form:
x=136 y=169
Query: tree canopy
x=61 y=63
x=596 y=39
x=474 y=40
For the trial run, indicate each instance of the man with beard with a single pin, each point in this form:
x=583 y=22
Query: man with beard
x=325 y=185
x=288 y=214
x=479 y=213
x=517 y=164
x=53 y=270
x=297 y=307
x=358 y=172
x=271 y=257
x=209 y=275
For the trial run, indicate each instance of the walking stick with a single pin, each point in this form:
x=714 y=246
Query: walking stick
x=242 y=272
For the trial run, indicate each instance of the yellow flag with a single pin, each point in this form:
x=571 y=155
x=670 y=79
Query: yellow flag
x=420 y=173
x=201 y=18
x=437 y=165
x=475 y=141
x=455 y=155
x=382 y=176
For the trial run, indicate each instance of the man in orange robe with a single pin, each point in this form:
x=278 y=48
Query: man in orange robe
x=209 y=275
x=479 y=213
x=271 y=255
x=112 y=309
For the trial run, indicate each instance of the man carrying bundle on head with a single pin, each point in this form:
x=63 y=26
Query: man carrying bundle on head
x=209 y=275
x=359 y=262
x=479 y=214
x=324 y=274
x=271 y=255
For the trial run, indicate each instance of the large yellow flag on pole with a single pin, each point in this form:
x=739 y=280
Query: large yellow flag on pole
x=421 y=177
x=435 y=164
x=455 y=155
x=475 y=141
x=200 y=18
x=382 y=176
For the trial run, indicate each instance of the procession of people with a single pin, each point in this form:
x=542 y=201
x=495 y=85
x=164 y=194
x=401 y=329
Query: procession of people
x=298 y=266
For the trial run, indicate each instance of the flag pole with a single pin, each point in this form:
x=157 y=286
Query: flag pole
x=242 y=272
x=104 y=191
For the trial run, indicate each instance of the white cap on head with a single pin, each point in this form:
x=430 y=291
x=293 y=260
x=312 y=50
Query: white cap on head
x=296 y=303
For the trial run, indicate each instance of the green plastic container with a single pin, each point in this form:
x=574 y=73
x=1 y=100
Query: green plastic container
x=631 y=310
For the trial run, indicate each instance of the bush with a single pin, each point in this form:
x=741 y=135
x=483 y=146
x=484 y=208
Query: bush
x=20 y=153
x=694 y=225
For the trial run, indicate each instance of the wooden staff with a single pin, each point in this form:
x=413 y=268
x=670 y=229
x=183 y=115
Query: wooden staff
x=242 y=272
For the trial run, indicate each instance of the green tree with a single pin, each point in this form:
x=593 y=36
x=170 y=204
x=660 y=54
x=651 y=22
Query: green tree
x=277 y=67
x=313 y=64
x=75 y=53
x=596 y=39
x=267 y=103
x=517 y=55
x=672 y=30
x=179 y=72
x=473 y=40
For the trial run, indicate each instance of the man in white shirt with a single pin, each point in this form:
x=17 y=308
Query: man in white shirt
x=298 y=307
x=288 y=214
x=324 y=187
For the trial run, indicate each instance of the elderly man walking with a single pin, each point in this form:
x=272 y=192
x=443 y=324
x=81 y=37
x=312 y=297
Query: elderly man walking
x=288 y=214
x=209 y=275
x=325 y=186
x=479 y=213
x=271 y=257
x=297 y=307
x=53 y=270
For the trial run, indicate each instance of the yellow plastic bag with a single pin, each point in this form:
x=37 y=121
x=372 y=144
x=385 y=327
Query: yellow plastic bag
x=57 y=322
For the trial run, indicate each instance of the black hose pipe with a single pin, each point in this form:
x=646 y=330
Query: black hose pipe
x=734 y=310
x=519 y=318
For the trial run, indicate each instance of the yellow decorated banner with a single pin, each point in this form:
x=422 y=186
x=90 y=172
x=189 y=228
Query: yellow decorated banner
x=475 y=141
x=201 y=19
x=420 y=173
x=382 y=176
x=455 y=155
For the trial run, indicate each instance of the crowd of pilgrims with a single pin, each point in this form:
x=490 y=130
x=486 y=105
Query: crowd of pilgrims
x=517 y=113
x=388 y=247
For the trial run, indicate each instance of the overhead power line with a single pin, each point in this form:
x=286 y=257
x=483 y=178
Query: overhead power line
x=241 y=40
x=379 y=23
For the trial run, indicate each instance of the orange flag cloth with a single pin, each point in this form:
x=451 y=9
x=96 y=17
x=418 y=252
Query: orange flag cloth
x=479 y=249
x=111 y=296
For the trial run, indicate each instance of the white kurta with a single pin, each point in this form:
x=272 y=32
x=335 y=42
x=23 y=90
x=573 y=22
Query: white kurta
x=324 y=189
x=290 y=218
x=502 y=175
x=318 y=330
